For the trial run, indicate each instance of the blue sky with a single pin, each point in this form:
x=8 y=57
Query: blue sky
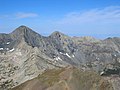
x=97 y=18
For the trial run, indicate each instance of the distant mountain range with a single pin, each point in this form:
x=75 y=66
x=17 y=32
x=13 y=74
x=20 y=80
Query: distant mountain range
x=26 y=55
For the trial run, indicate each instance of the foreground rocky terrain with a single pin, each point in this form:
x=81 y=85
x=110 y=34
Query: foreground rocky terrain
x=68 y=78
x=26 y=55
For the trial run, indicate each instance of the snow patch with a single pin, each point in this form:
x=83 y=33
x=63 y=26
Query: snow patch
x=61 y=53
x=7 y=48
x=1 y=48
x=58 y=58
x=102 y=73
x=8 y=43
x=73 y=55
x=68 y=55
x=11 y=50
x=65 y=54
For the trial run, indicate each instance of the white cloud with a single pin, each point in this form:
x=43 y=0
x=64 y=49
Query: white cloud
x=105 y=15
x=21 y=15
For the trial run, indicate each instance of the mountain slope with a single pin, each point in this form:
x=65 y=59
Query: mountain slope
x=68 y=78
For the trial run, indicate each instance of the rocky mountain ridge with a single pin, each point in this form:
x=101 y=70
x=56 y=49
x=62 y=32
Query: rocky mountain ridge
x=24 y=54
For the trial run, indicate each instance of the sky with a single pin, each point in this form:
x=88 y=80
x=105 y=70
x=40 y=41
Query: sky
x=97 y=18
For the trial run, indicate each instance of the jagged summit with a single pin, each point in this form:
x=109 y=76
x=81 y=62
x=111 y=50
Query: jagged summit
x=57 y=33
x=21 y=30
x=22 y=26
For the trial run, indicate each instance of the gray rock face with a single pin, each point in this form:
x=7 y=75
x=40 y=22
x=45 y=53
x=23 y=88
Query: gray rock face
x=24 y=54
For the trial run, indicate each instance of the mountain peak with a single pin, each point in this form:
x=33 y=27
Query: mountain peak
x=57 y=34
x=23 y=28
x=26 y=34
